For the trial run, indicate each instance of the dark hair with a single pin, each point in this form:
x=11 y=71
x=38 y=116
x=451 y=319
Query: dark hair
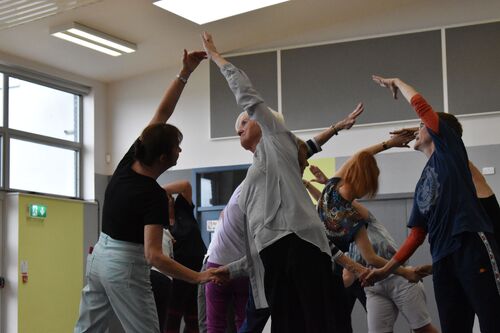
x=155 y=140
x=362 y=174
x=452 y=122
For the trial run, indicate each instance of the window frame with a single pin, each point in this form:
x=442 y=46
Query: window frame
x=6 y=133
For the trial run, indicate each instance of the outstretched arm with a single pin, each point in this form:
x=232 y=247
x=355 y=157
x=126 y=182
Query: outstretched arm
x=313 y=190
x=211 y=50
x=190 y=61
x=369 y=255
x=398 y=139
x=154 y=255
x=355 y=268
x=246 y=95
x=413 y=241
x=344 y=124
x=425 y=112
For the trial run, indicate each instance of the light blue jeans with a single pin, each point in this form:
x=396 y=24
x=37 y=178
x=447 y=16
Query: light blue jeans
x=117 y=281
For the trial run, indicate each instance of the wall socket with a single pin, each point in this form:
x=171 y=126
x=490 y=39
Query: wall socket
x=489 y=171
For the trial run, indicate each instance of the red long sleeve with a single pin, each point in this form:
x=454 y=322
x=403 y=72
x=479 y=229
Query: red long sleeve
x=414 y=240
x=425 y=112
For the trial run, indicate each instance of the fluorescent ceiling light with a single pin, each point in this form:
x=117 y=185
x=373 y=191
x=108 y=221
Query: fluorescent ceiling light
x=205 y=11
x=82 y=42
x=94 y=39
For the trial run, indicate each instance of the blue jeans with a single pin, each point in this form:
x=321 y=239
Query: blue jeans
x=117 y=281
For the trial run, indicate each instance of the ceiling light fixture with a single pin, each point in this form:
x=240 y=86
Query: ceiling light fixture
x=94 y=39
x=202 y=12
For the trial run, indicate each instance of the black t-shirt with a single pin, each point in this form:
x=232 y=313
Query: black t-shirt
x=189 y=247
x=132 y=201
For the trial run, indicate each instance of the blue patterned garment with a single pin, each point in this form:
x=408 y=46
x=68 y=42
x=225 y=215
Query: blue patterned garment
x=341 y=220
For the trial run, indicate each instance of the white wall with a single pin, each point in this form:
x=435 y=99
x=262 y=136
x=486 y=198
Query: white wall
x=95 y=136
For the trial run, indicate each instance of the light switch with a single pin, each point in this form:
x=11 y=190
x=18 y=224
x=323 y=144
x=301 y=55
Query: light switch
x=489 y=171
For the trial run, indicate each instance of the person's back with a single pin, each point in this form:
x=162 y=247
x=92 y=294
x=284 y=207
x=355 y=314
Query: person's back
x=130 y=199
x=227 y=244
x=189 y=247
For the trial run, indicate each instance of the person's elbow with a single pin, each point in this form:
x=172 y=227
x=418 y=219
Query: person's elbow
x=152 y=256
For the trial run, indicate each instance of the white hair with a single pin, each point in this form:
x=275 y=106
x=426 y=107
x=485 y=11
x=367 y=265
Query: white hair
x=276 y=114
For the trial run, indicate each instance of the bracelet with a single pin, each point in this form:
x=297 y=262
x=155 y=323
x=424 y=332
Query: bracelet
x=335 y=131
x=182 y=78
x=384 y=145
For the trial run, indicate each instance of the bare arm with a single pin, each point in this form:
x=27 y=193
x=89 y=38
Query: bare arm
x=412 y=242
x=182 y=187
x=398 y=139
x=369 y=255
x=355 y=268
x=211 y=50
x=167 y=105
x=319 y=175
x=482 y=188
x=313 y=190
x=345 y=123
x=348 y=278
x=379 y=274
x=153 y=234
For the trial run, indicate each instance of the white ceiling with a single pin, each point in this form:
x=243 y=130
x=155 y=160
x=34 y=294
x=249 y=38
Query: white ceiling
x=161 y=36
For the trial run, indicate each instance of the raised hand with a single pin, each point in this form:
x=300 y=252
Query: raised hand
x=401 y=138
x=387 y=83
x=208 y=44
x=319 y=176
x=350 y=120
x=191 y=60
x=405 y=130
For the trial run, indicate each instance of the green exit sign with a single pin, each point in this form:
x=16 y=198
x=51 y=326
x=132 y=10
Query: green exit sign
x=38 y=211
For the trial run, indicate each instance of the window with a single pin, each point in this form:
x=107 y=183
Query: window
x=40 y=129
x=42 y=110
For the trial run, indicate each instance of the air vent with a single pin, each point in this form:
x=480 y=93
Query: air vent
x=16 y=12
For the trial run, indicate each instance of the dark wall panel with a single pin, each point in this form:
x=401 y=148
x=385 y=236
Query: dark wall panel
x=321 y=84
x=473 y=67
x=261 y=69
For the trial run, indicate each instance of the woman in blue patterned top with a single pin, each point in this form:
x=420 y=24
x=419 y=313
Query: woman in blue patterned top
x=346 y=223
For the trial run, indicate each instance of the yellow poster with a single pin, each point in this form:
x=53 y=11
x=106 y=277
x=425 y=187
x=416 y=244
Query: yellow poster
x=326 y=164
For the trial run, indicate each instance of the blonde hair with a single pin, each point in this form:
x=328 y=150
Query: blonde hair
x=276 y=114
